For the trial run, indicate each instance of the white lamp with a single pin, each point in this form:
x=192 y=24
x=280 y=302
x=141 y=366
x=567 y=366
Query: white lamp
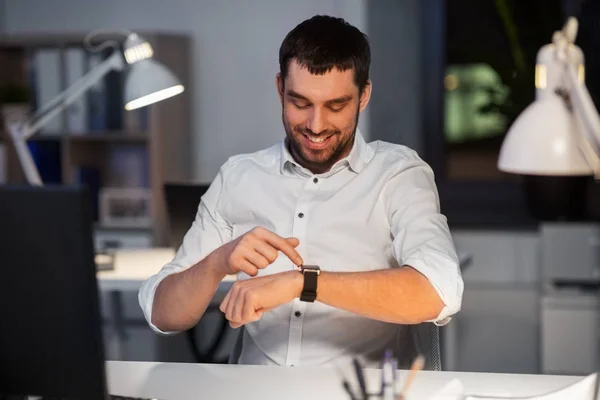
x=147 y=82
x=559 y=133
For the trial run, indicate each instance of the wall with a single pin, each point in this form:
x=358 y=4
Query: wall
x=2 y=12
x=394 y=32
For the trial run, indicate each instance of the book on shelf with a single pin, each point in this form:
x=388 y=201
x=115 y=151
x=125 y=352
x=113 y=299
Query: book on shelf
x=96 y=97
x=46 y=77
x=99 y=109
x=77 y=111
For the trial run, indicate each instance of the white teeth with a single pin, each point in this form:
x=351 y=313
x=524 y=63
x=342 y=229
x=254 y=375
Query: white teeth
x=316 y=140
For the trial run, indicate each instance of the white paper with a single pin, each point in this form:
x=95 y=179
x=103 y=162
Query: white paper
x=453 y=390
x=581 y=390
x=585 y=389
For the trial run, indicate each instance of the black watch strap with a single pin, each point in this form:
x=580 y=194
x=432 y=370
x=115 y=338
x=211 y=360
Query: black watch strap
x=309 y=291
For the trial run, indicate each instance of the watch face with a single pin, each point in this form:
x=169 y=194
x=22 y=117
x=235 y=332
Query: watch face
x=311 y=268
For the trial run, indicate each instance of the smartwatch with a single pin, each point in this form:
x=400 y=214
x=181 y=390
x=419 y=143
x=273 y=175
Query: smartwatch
x=309 y=291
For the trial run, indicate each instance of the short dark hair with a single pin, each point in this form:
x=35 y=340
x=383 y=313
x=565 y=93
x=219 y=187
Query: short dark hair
x=322 y=43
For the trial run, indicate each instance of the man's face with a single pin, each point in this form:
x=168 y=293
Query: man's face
x=320 y=114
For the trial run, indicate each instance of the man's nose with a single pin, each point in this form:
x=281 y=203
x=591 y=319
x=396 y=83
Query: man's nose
x=316 y=123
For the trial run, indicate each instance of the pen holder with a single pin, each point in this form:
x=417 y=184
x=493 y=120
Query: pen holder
x=389 y=379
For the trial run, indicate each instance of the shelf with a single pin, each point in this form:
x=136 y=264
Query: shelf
x=100 y=136
x=110 y=137
x=97 y=226
x=96 y=137
x=44 y=138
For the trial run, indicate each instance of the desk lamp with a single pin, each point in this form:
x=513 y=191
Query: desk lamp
x=147 y=82
x=559 y=133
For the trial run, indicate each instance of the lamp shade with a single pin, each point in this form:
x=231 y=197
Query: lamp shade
x=543 y=141
x=148 y=82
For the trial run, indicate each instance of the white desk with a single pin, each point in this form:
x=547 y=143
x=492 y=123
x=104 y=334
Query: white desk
x=194 y=381
x=133 y=267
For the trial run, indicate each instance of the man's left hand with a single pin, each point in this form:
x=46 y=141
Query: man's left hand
x=249 y=299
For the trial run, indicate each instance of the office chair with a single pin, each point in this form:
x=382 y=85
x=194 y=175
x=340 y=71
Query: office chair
x=208 y=356
x=426 y=340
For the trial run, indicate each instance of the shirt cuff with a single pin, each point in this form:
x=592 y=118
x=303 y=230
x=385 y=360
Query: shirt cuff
x=443 y=318
x=444 y=275
x=146 y=299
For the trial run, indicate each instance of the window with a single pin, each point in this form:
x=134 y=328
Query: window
x=478 y=76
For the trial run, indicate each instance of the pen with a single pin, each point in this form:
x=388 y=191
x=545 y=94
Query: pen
x=395 y=375
x=387 y=377
x=415 y=367
x=349 y=390
x=361 y=378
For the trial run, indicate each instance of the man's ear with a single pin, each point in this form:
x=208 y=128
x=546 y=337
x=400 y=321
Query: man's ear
x=279 y=84
x=365 y=95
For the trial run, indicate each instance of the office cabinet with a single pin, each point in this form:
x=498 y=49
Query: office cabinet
x=570 y=252
x=570 y=304
x=571 y=333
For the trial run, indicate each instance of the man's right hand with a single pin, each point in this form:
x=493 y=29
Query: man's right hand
x=256 y=250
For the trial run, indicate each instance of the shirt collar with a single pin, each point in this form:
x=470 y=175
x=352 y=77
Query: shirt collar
x=360 y=154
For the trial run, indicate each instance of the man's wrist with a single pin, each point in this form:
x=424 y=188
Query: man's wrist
x=297 y=283
x=213 y=264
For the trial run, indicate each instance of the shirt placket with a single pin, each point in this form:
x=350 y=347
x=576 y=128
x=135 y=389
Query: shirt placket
x=301 y=218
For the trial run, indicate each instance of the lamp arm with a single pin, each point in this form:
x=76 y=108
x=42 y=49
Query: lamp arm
x=20 y=132
x=72 y=93
x=586 y=115
x=25 y=159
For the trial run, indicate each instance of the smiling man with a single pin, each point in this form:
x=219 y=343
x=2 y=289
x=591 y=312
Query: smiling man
x=339 y=245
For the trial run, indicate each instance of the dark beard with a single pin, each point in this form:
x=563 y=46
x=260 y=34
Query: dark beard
x=322 y=165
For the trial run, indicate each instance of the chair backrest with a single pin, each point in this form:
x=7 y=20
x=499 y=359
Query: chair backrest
x=426 y=340
x=425 y=336
x=236 y=352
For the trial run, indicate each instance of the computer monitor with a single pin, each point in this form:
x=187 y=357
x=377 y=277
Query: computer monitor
x=50 y=326
x=182 y=201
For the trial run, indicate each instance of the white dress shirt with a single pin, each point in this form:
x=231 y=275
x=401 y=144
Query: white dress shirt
x=377 y=208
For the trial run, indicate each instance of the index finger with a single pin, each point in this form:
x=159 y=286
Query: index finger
x=281 y=244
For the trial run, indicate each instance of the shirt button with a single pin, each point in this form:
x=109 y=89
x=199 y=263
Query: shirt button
x=316 y=180
x=300 y=215
x=298 y=314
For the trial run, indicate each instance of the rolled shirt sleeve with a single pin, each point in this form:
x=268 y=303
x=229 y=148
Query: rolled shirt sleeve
x=421 y=237
x=208 y=231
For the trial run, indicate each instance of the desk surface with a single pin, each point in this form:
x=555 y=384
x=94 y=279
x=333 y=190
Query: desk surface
x=170 y=381
x=133 y=267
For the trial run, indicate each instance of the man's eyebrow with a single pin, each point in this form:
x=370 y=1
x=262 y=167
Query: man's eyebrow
x=339 y=100
x=296 y=95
